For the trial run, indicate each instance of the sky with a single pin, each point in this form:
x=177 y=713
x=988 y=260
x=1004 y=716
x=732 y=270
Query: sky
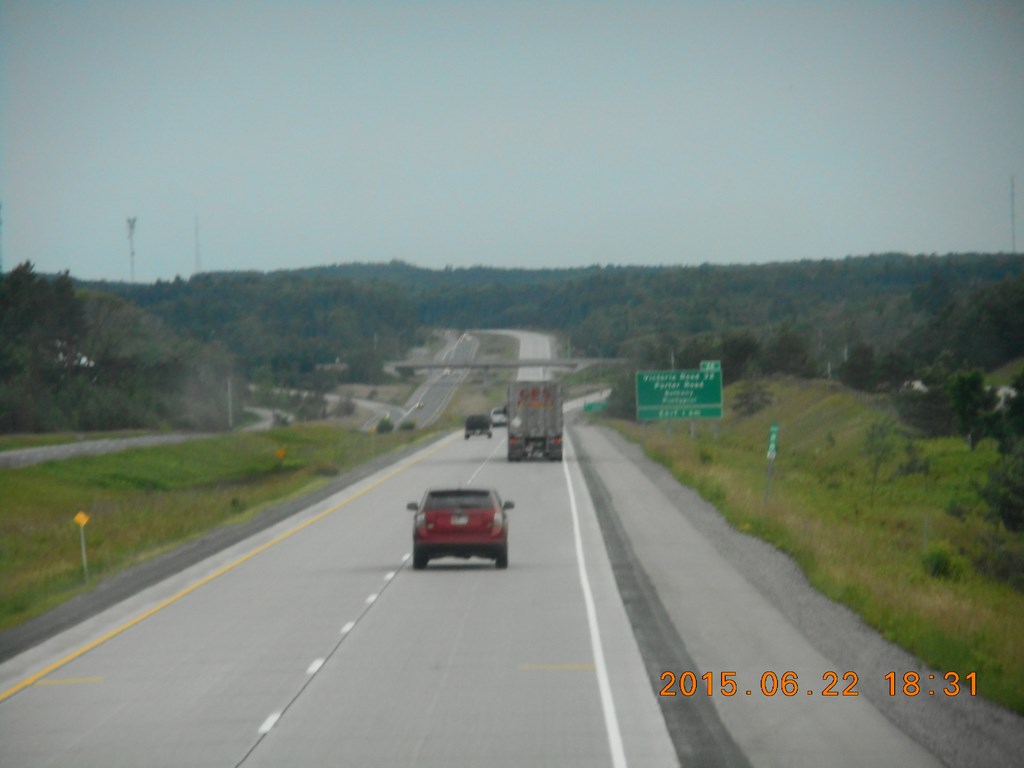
x=510 y=134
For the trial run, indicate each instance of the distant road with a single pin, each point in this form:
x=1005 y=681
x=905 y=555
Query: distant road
x=434 y=394
x=27 y=456
x=532 y=346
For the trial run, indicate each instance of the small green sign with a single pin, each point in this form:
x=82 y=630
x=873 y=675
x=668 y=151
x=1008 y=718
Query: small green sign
x=597 y=405
x=773 y=439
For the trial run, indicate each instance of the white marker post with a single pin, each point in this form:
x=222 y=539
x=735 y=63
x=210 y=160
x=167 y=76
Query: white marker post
x=81 y=518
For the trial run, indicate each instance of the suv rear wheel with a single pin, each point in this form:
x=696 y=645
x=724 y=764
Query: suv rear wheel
x=419 y=559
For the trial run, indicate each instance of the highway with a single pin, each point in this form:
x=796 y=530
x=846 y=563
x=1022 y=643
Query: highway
x=532 y=346
x=430 y=399
x=314 y=643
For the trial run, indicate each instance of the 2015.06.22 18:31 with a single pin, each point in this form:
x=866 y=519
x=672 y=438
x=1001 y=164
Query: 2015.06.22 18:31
x=835 y=685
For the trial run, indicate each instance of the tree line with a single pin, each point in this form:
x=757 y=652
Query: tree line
x=78 y=359
x=104 y=354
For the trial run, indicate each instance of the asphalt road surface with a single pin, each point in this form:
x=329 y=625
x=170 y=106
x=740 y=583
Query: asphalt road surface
x=314 y=643
x=25 y=457
x=532 y=346
x=430 y=399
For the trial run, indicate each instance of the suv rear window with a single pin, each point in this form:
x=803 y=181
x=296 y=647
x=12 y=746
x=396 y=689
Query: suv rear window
x=478 y=422
x=461 y=499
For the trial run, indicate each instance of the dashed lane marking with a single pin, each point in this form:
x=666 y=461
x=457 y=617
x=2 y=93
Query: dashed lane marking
x=78 y=653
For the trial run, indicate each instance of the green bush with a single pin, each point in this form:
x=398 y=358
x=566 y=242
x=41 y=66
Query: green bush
x=1001 y=557
x=940 y=562
x=384 y=426
x=1005 y=490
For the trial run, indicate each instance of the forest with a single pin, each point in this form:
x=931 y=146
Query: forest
x=103 y=355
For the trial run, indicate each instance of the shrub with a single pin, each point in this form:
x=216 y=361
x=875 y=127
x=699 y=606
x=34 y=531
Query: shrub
x=753 y=395
x=957 y=509
x=915 y=464
x=940 y=562
x=1002 y=558
x=385 y=425
x=1005 y=490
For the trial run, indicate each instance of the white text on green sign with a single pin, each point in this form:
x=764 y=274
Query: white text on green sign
x=685 y=394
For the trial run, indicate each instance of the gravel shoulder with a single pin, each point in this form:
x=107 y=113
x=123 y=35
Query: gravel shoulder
x=960 y=731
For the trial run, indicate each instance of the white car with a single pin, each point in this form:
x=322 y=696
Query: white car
x=499 y=417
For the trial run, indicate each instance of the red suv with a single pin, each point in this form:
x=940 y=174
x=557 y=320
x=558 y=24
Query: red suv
x=460 y=522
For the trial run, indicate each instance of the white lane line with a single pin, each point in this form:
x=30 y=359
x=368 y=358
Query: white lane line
x=389 y=575
x=611 y=720
x=406 y=556
x=496 y=449
x=315 y=666
x=347 y=628
x=269 y=723
x=371 y=599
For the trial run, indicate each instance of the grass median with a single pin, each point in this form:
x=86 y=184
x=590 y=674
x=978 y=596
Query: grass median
x=906 y=547
x=142 y=502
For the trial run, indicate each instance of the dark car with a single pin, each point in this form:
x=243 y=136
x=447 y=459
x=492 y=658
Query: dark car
x=460 y=522
x=479 y=424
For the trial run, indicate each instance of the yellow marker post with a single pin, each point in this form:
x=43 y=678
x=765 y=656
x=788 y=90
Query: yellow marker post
x=81 y=518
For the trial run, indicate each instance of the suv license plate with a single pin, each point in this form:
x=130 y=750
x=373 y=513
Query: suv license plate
x=460 y=519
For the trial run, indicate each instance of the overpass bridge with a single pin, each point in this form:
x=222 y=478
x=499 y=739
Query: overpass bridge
x=569 y=363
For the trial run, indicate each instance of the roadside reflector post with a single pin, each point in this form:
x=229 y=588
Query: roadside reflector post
x=81 y=518
x=773 y=441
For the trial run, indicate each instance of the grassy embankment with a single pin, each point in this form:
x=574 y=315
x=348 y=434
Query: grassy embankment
x=870 y=555
x=145 y=501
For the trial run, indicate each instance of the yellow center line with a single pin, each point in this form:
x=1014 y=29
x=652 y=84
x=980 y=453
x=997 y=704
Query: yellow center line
x=46 y=671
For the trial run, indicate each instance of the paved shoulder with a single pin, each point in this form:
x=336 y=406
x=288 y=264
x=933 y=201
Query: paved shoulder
x=739 y=606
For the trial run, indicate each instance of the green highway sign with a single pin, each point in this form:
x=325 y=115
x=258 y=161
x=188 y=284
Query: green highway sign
x=773 y=439
x=596 y=405
x=686 y=394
